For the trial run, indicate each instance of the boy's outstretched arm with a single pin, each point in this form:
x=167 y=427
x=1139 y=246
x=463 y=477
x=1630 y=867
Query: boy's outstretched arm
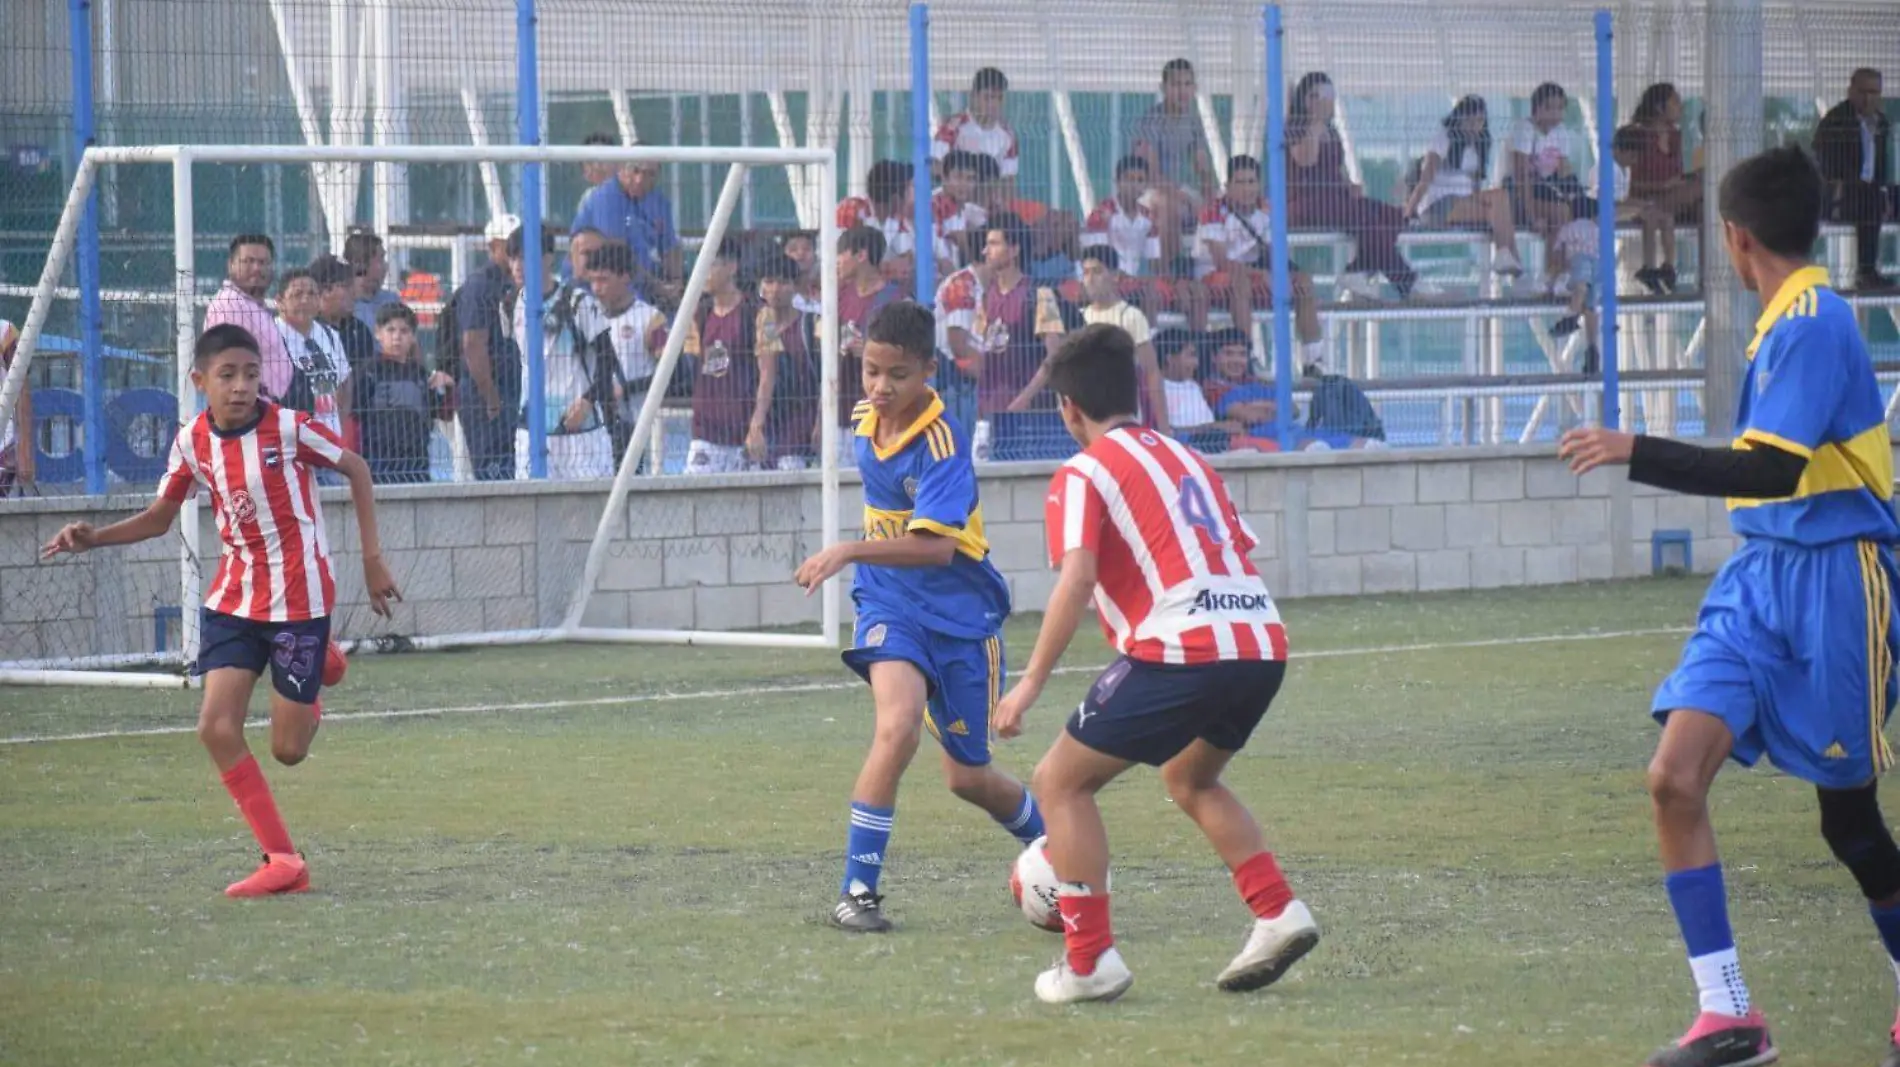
x=917 y=548
x=382 y=588
x=77 y=537
x=1074 y=585
x=1758 y=472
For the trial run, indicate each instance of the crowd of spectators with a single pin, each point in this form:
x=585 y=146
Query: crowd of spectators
x=1172 y=238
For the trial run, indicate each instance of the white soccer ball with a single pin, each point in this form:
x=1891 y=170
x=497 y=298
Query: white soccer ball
x=1033 y=882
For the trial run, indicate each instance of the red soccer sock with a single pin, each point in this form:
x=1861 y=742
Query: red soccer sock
x=1262 y=886
x=247 y=786
x=1085 y=929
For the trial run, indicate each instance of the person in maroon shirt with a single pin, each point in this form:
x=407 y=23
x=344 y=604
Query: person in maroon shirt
x=1319 y=194
x=721 y=337
x=862 y=293
x=1658 y=178
x=1019 y=326
x=785 y=428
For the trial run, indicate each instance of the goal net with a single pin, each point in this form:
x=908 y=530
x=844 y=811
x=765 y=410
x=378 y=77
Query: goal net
x=650 y=466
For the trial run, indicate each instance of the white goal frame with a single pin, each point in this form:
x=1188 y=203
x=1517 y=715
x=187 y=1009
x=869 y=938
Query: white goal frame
x=106 y=670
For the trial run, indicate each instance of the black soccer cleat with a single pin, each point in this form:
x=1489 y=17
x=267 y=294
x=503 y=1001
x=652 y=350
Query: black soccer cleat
x=860 y=913
x=1720 y=1041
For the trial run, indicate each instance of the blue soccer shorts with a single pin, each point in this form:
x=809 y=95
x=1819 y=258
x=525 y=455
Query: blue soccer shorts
x=293 y=651
x=1794 y=650
x=964 y=675
x=1148 y=712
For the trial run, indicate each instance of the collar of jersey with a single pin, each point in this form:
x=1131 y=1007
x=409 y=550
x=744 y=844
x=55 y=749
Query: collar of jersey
x=1799 y=282
x=867 y=427
x=263 y=409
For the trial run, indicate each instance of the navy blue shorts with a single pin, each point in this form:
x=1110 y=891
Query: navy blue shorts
x=294 y=651
x=1148 y=712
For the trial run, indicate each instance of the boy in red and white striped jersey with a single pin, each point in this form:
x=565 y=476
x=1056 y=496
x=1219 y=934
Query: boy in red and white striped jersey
x=1145 y=526
x=269 y=604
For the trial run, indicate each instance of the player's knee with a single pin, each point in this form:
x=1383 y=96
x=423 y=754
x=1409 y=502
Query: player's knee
x=287 y=753
x=1857 y=834
x=897 y=738
x=966 y=782
x=1672 y=783
x=217 y=732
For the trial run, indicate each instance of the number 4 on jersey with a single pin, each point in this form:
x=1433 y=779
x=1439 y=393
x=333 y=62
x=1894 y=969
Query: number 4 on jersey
x=1197 y=510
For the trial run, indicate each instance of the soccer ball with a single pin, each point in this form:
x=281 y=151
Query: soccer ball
x=1033 y=882
x=335 y=666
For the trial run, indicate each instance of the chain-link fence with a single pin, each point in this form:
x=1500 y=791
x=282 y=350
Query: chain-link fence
x=1433 y=172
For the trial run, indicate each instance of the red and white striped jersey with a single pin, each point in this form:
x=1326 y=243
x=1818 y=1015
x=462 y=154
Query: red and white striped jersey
x=1173 y=581
x=963 y=131
x=263 y=485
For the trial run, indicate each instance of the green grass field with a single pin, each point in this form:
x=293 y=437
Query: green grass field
x=636 y=869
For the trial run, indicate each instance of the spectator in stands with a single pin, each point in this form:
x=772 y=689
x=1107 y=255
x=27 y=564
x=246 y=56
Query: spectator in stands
x=1236 y=397
x=1657 y=178
x=722 y=336
x=1232 y=258
x=395 y=401
x=786 y=427
x=1193 y=419
x=959 y=217
x=863 y=290
x=886 y=208
x=593 y=174
x=579 y=383
x=1124 y=223
x=473 y=344
x=1020 y=324
x=16 y=441
x=635 y=329
x=240 y=302
x=1170 y=139
x=1543 y=184
x=1054 y=235
x=581 y=244
x=369 y=264
x=980 y=128
x=958 y=304
x=630 y=207
x=1851 y=146
x=336 y=308
x=1451 y=189
x=801 y=247
x=1101 y=293
x=1320 y=195
x=319 y=369
x=1656 y=219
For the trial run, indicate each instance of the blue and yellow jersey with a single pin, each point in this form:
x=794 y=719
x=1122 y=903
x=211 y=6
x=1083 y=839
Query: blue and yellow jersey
x=923 y=480
x=1810 y=390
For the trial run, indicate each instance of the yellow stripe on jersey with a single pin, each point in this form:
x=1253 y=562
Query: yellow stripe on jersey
x=993 y=652
x=1879 y=609
x=1799 y=288
x=1864 y=461
x=942 y=444
x=970 y=540
x=867 y=427
x=885 y=524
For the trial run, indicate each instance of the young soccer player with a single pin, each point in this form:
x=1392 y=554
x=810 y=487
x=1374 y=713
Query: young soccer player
x=1143 y=524
x=1794 y=647
x=269 y=604
x=930 y=606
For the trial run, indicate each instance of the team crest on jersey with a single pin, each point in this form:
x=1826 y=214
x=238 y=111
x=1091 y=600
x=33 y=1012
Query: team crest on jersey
x=874 y=637
x=718 y=360
x=272 y=457
x=910 y=488
x=242 y=508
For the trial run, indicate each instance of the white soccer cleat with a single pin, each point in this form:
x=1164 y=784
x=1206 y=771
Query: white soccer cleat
x=1271 y=950
x=1060 y=985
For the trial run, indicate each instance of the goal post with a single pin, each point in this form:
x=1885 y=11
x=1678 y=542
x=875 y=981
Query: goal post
x=111 y=666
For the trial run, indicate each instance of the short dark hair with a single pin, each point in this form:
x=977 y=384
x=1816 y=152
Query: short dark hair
x=1171 y=339
x=989 y=78
x=614 y=257
x=866 y=239
x=778 y=265
x=243 y=239
x=963 y=159
x=1545 y=93
x=1175 y=65
x=1776 y=196
x=792 y=235
x=886 y=180
x=389 y=313
x=295 y=274
x=1128 y=163
x=327 y=270
x=1103 y=254
x=222 y=338
x=518 y=240
x=360 y=247
x=1095 y=368
x=600 y=137
x=584 y=231
x=1219 y=339
x=907 y=325
x=1015 y=232
x=730 y=248
x=1242 y=163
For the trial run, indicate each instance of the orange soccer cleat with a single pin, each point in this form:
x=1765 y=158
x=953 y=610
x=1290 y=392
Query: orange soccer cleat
x=335 y=666
x=282 y=872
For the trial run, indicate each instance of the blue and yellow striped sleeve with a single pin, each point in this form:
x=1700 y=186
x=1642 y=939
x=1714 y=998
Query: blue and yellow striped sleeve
x=1798 y=381
x=946 y=490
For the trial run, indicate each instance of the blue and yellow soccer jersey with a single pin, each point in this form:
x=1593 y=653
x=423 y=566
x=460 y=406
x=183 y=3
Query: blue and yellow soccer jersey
x=924 y=481
x=1810 y=390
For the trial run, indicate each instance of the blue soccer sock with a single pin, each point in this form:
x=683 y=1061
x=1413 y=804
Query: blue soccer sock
x=1887 y=921
x=1700 y=902
x=1026 y=824
x=864 y=847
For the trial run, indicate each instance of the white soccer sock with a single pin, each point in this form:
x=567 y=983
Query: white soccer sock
x=1718 y=981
